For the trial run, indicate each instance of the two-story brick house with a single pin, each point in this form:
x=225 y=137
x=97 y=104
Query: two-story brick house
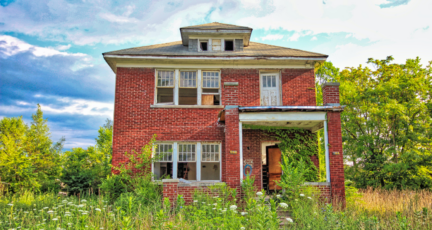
x=197 y=93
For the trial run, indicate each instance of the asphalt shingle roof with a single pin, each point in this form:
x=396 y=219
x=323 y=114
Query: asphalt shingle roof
x=217 y=25
x=253 y=50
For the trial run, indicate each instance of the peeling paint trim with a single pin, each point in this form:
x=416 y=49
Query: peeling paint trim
x=215 y=58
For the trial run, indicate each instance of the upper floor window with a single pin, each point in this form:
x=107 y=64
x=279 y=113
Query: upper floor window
x=187 y=87
x=229 y=45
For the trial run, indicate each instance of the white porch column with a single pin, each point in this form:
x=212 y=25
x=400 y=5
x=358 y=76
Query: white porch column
x=198 y=161
x=241 y=150
x=327 y=157
x=175 y=155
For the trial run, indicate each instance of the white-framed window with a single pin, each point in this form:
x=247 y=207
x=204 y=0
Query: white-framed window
x=188 y=87
x=163 y=166
x=210 y=88
x=193 y=161
x=165 y=83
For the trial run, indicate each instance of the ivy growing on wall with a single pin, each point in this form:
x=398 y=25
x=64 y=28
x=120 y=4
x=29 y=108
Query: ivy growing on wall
x=295 y=144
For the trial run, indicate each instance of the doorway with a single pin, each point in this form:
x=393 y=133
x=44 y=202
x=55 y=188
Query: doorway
x=270 y=89
x=271 y=169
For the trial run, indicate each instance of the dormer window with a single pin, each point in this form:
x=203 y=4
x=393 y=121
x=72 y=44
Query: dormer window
x=229 y=45
x=204 y=45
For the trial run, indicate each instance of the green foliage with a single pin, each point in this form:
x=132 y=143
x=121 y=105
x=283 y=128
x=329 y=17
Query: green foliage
x=386 y=126
x=28 y=158
x=134 y=177
x=248 y=188
x=293 y=179
x=296 y=144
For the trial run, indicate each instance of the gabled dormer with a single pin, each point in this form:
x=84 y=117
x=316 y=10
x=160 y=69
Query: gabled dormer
x=215 y=37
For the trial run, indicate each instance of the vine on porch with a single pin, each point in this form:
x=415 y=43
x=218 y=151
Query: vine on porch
x=295 y=144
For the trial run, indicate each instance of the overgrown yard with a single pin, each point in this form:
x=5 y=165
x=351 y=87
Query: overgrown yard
x=377 y=209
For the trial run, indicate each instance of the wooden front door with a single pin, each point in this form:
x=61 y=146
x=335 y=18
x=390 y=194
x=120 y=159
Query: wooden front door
x=270 y=84
x=275 y=170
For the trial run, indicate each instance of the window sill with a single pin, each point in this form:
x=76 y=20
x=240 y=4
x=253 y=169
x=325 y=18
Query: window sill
x=188 y=106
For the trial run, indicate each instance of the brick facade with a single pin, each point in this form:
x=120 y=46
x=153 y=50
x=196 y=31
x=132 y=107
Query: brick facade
x=135 y=121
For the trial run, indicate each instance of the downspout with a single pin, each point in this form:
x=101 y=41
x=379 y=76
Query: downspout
x=327 y=156
x=241 y=150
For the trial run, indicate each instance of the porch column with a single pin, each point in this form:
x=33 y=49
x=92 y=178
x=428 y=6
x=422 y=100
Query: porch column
x=334 y=134
x=231 y=164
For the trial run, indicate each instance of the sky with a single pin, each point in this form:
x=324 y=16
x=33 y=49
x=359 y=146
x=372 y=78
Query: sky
x=51 y=50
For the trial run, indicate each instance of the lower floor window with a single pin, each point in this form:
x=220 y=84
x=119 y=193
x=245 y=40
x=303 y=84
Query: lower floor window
x=200 y=161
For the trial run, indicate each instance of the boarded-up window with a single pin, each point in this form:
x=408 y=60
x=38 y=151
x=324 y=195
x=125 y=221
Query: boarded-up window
x=216 y=45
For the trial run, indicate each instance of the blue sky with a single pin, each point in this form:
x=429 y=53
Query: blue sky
x=50 y=50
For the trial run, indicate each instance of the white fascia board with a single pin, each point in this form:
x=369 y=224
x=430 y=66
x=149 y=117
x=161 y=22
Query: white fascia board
x=282 y=116
x=216 y=31
x=214 y=58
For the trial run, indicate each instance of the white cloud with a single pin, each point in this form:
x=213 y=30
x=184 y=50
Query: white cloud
x=272 y=37
x=78 y=106
x=10 y=46
x=314 y=38
x=64 y=47
x=294 y=37
x=117 y=19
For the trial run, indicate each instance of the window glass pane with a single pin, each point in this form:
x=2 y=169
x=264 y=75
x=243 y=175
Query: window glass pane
x=210 y=171
x=264 y=81
x=165 y=96
x=163 y=153
x=210 y=79
x=268 y=81
x=188 y=79
x=165 y=78
x=273 y=81
x=210 y=153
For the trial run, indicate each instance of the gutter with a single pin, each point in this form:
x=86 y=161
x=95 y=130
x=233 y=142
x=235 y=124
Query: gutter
x=336 y=108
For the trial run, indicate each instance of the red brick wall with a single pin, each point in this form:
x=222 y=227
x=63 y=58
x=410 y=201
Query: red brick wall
x=231 y=164
x=298 y=87
x=135 y=122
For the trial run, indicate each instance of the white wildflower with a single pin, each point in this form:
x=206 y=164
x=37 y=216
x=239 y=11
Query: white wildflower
x=98 y=209
x=301 y=194
x=289 y=220
x=84 y=213
x=233 y=207
x=50 y=211
x=10 y=204
x=70 y=224
x=216 y=197
x=214 y=208
x=310 y=198
x=45 y=208
x=214 y=204
x=195 y=201
x=67 y=212
x=83 y=201
x=55 y=219
x=278 y=196
x=203 y=202
x=259 y=193
x=243 y=213
x=26 y=212
x=64 y=201
x=242 y=228
x=283 y=205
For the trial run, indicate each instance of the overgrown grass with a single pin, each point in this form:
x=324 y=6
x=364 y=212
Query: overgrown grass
x=376 y=209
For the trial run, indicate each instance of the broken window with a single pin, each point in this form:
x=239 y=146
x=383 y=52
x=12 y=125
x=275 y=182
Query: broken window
x=210 y=162
x=163 y=166
x=186 y=167
x=229 y=45
x=165 y=87
x=203 y=45
x=210 y=88
x=216 y=44
x=188 y=88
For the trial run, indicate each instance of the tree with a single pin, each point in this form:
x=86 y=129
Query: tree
x=386 y=125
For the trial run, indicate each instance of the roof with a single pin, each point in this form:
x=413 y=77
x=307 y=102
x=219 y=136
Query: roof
x=255 y=49
x=215 y=26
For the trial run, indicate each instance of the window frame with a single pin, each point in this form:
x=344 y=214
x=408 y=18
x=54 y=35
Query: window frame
x=176 y=88
x=198 y=158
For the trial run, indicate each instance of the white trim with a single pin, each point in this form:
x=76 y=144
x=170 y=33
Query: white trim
x=282 y=116
x=214 y=58
x=175 y=161
x=176 y=86
x=210 y=66
x=327 y=155
x=241 y=150
x=198 y=161
x=199 y=79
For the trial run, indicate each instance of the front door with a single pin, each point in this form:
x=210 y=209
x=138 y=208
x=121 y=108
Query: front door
x=270 y=95
x=274 y=167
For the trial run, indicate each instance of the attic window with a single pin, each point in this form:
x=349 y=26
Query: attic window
x=229 y=45
x=203 y=46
